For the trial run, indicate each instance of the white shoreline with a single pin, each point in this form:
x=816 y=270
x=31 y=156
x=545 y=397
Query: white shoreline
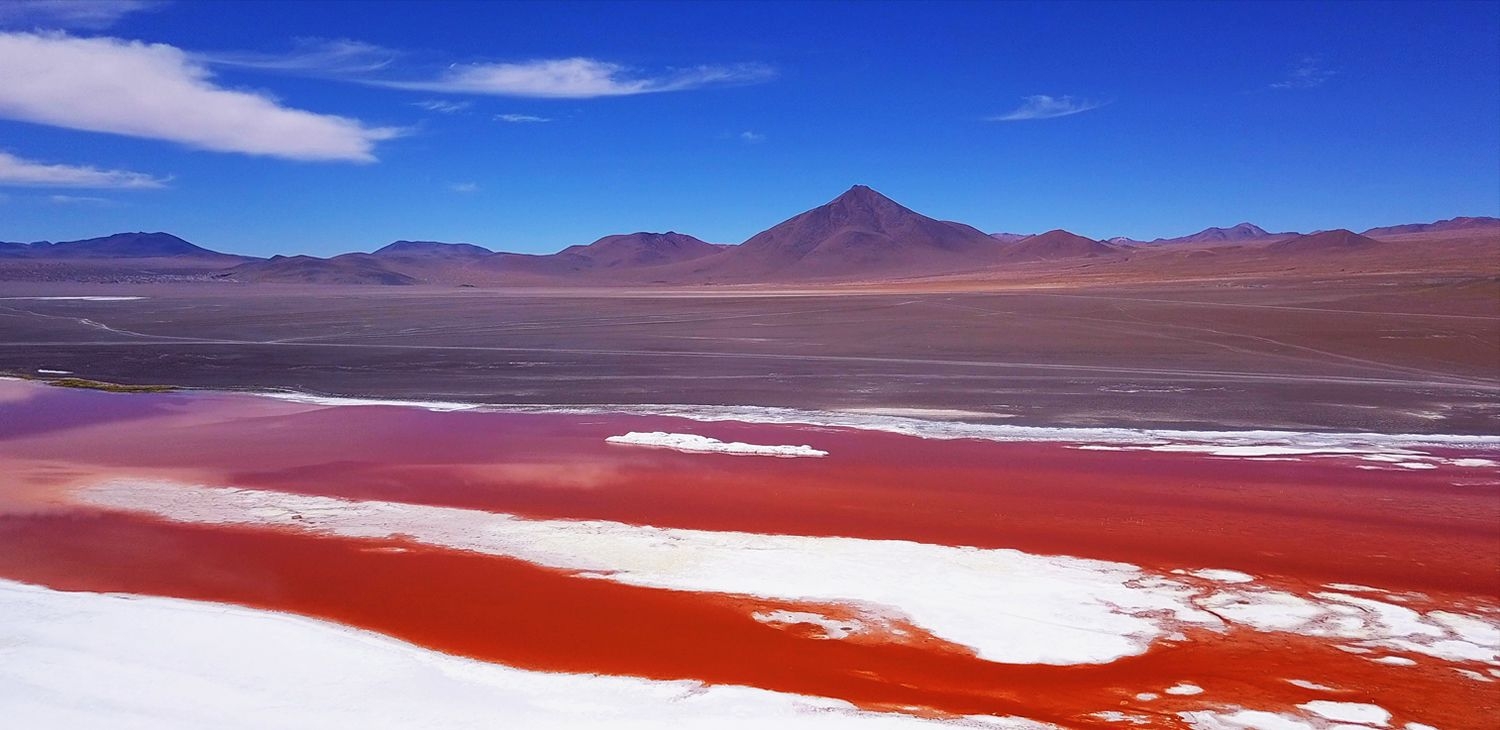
x=75 y=299
x=1255 y=443
x=1248 y=443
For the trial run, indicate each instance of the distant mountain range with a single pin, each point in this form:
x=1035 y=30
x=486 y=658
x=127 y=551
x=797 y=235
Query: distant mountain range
x=119 y=245
x=1241 y=232
x=859 y=236
x=1451 y=224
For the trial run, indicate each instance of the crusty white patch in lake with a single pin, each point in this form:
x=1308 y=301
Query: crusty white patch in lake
x=1007 y=605
x=694 y=443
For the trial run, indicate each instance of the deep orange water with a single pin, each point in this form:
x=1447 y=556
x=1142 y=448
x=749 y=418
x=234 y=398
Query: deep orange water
x=1297 y=524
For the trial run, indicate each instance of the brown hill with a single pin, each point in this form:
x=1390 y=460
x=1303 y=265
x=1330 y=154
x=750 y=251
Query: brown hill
x=506 y=265
x=1008 y=237
x=1339 y=239
x=1057 y=244
x=118 y=258
x=118 y=246
x=632 y=250
x=625 y=258
x=428 y=262
x=431 y=249
x=349 y=268
x=1213 y=234
x=1460 y=223
x=858 y=235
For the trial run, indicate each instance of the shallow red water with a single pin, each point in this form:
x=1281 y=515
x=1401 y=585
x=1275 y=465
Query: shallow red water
x=1300 y=524
x=522 y=615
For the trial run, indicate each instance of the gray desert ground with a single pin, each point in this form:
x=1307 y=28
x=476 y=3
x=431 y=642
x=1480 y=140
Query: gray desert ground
x=1400 y=353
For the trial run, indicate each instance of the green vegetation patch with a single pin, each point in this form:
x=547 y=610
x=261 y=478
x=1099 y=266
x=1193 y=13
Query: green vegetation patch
x=109 y=387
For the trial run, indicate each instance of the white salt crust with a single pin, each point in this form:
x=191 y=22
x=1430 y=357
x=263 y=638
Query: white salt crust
x=694 y=443
x=1257 y=443
x=77 y=299
x=1007 y=605
x=87 y=661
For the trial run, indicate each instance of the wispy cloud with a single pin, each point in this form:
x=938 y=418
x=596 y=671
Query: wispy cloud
x=578 y=78
x=464 y=187
x=157 y=91
x=85 y=14
x=555 y=78
x=78 y=200
x=1041 y=106
x=521 y=118
x=1307 y=73
x=19 y=172
x=751 y=137
x=313 y=57
x=443 y=106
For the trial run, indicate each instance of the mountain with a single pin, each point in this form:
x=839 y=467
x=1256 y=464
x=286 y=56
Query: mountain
x=1339 y=239
x=1241 y=232
x=628 y=257
x=349 y=268
x=428 y=262
x=641 y=249
x=431 y=248
x=1058 y=244
x=1008 y=237
x=1451 y=224
x=117 y=246
x=860 y=234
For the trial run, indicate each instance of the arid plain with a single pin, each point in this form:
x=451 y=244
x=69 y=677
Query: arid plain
x=1403 y=353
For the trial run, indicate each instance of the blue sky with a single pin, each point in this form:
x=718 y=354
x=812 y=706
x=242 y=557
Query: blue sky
x=327 y=127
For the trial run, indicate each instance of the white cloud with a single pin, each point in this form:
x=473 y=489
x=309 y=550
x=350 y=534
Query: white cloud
x=521 y=118
x=1041 y=106
x=751 y=137
x=90 y=14
x=464 y=187
x=442 y=106
x=313 y=56
x=78 y=200
x=1307 y=73
x=577 y=78
x=26 y=173
x=157 y=91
